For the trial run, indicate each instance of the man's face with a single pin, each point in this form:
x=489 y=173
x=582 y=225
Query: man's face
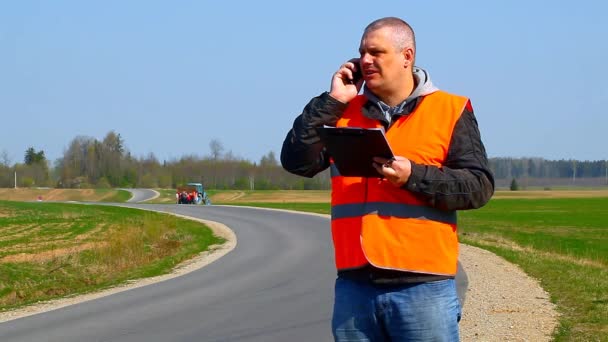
x=382 y=64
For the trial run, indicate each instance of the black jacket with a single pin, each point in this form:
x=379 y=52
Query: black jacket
x=463 y=182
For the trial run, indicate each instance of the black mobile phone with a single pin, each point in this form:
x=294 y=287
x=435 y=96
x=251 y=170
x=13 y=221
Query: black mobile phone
x=357 y=75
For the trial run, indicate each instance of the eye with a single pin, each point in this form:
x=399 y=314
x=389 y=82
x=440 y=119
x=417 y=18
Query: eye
x=375 y=52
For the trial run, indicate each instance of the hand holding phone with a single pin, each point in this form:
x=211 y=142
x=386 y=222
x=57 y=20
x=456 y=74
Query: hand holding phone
x=357 y=75
x=346 y=83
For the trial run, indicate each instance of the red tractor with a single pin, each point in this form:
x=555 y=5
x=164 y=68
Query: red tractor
x=193 y=193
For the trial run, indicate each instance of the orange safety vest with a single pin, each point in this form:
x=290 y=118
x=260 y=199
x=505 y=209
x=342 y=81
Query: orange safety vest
x=374 y=222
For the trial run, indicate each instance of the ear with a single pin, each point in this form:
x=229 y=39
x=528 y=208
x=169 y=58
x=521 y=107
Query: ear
x=408 y=57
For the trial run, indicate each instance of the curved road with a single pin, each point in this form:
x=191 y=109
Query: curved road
x=276 y=285
x=141 y=195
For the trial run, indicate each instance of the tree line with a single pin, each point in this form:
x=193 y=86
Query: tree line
x=546 y=173
x=91 y=163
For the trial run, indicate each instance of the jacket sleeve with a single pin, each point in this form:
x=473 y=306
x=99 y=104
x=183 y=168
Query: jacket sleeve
x=465 y=181
x=303 y=152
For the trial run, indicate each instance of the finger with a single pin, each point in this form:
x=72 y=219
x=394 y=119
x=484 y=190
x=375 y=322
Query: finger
x=380 y=160
x=353 y=64
x=349 y=71
x=379 y=168
x=342 y=77
x=389 y=163
x=389 y=173
x=350 y=67
x=344 y=73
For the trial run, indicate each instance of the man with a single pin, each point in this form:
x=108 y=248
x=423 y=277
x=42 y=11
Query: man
x=395 y=236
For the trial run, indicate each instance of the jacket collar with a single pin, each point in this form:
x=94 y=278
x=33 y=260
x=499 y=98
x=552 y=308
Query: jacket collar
x=375 y=109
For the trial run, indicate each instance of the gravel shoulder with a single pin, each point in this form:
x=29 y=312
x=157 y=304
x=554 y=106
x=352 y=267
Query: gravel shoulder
x=502 y=302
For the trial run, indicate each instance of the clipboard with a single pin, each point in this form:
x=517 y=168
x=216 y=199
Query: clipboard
x=353 y=149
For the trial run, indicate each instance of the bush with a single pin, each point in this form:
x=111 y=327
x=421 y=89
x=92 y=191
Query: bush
x=27 y=182
x=514 y=186
x=103 y=183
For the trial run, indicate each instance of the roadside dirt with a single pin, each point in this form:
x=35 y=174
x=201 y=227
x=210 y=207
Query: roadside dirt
x=26 y=194
x=228 y=196
x=51 y=254
x=278 y=196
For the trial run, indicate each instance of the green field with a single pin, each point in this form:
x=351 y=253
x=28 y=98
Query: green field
x=561 y=242
x=50 y=250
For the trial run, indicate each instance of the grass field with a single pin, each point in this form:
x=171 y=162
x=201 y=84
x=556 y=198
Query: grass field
x=50 y=250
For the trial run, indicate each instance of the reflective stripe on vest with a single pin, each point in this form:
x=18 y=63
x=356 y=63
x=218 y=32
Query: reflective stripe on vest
x=373 y=222
x=399 y=210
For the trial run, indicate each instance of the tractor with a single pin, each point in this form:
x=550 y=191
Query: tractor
x=192 y=193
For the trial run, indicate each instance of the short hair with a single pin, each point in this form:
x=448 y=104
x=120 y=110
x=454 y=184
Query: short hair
x=402 y=33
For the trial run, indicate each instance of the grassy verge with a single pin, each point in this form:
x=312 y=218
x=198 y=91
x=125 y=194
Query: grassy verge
x=319 y=208
x=114 y=196
x=50 y=250
x=165 y=196
x=561 y=242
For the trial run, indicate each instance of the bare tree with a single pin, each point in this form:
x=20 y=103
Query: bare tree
x=269 y=160
x=5 y=160
x=216 y=148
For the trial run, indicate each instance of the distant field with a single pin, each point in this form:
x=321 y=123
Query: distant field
x=566 y=193
x=245 y=196
x=320 y=196
x=48 y=194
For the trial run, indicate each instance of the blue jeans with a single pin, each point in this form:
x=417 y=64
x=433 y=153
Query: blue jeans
x=408 y=312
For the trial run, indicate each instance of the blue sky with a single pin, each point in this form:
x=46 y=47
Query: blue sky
x=169 y=76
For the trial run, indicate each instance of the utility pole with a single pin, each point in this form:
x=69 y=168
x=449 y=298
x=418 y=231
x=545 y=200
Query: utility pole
x=15 y=179
x=573 y=171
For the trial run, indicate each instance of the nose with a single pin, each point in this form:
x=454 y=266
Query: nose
x=365 y=59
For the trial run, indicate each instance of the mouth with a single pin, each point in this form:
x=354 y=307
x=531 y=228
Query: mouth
x=367 y=74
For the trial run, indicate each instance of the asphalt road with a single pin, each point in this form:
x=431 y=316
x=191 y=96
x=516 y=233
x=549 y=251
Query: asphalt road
x=141 y=195
x=276 y=285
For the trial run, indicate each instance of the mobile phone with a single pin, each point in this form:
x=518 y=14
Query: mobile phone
x=357 y=75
